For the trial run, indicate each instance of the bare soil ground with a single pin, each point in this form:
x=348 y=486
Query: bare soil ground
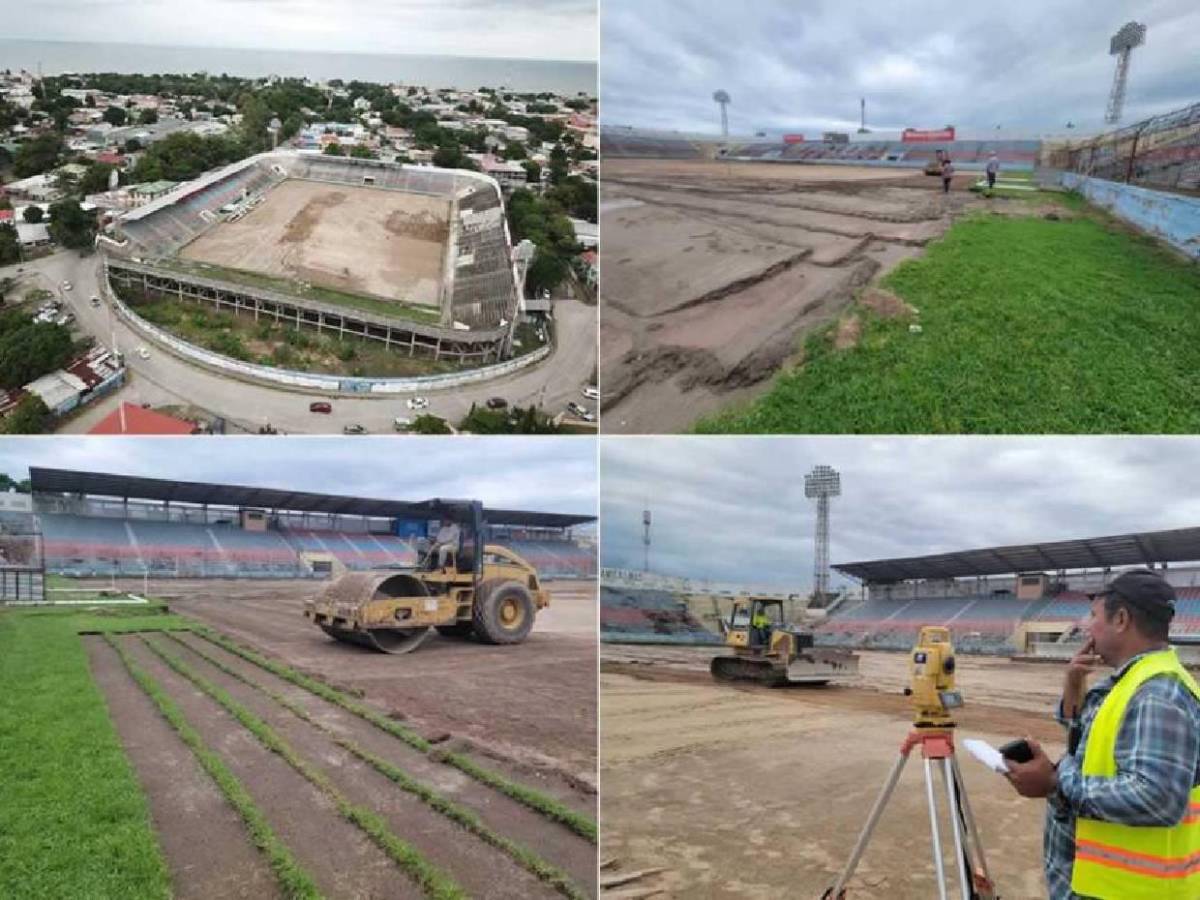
x=744 y=791
x=384 y=243
x=498 y=708
x=714 y=270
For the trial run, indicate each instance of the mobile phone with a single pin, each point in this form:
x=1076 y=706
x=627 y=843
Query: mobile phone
x=1018 y=751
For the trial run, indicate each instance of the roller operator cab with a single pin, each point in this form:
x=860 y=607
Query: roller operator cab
x=493 y=596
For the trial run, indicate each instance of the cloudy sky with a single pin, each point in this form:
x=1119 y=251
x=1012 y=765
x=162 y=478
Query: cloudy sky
x=521 y=29
x=546 y=475
x=733 y=509
x=1027 y=65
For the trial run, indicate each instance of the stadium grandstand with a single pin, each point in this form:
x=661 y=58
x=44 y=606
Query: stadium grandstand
x=1030 y=599
x=460 y=306
x=94 y=524
x=967 y=154
x=635 y=615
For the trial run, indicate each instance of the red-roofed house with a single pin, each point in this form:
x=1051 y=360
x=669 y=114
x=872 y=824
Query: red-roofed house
x=132 y=419
x=7 y=216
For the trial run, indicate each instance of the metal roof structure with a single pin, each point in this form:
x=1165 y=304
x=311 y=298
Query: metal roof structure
x=100 y=484
x=1140 y=548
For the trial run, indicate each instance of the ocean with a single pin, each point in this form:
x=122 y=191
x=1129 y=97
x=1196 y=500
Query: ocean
x=461 y=72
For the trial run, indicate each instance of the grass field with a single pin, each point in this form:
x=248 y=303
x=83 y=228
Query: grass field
x=74 y=820
x=1027 y=325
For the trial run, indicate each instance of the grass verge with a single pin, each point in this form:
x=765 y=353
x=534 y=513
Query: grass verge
x=535 y=800
x=74 y=821
x=1028 y=325
x=293 y=881
x=433 y=881
x=530 y=861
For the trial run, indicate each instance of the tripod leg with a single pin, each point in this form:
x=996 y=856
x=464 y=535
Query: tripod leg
x=872 y=820
x=937 y=838
x=951 y=784
x=972 y=828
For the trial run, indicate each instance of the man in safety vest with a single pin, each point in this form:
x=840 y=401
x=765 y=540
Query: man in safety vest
x=761 y=627
x=1123 y=813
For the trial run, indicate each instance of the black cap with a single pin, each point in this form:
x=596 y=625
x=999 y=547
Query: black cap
x=1146 y=590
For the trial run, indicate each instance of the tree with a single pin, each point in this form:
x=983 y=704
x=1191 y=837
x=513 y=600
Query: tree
x=533 y=172
x=115 y=116
x=70 y=226
x=559 y=166
x=31 y=416
x=133 y=145
x=515 y=150
x=427 y=424
x=546 y=272
x=10 y=249
x=359 y=151
x=39 y=155
x=32 y=214
x=31 y=349
x=95 y=179
x=333 y=149
x=516 y=420
x=148 y=117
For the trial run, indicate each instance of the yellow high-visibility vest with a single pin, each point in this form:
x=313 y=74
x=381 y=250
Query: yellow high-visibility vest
x=1135 y=862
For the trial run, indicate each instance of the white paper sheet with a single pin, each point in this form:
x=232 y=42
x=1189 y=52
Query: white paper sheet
x=986 y=754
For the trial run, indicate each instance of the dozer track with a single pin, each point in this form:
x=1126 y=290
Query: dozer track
x=734 y=668
x=385 y=640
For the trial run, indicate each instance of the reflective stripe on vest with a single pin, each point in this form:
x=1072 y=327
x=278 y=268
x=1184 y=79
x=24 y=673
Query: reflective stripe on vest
x=1135 y=862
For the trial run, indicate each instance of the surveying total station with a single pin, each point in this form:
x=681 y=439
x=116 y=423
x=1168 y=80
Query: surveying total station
x=931 y=689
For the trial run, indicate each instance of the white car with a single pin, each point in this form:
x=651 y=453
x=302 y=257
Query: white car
x=143 y=352
x=417 y=403
x=592 y=393
x=402 y=423
x=66 y=285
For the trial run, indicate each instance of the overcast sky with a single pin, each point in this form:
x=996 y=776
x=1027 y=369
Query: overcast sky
x=1028 y=65
x=546 y=475
x=522 y=29
x=733 y=509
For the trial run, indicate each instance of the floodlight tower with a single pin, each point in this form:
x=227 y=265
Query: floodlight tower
x=820 y=484
x=723 y=100
x=646 y=540
x=1132 y=34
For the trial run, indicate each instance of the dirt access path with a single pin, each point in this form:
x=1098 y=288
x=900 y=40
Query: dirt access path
x=352 y=759
x=754 y=792
x=714 y=270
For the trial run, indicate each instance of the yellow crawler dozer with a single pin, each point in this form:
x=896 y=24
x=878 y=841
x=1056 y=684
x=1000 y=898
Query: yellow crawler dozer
x=493 y=595
x=768 y=650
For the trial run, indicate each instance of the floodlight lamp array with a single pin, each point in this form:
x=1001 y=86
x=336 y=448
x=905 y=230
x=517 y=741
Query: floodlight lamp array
x=1132 y=34
x=822 y=481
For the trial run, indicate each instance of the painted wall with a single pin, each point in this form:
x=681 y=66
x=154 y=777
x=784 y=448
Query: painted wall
x=1173 y=218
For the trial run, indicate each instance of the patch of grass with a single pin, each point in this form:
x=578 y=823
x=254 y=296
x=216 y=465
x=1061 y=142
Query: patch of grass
x=535 y=800
x=547 y=872
x=73 y=819
x=293 y=881
x=436 y=883
x=1028 y=326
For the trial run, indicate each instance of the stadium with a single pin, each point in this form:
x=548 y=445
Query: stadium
x=732 y=261
x=672 y=735
x=416 y=259
x=265 y=757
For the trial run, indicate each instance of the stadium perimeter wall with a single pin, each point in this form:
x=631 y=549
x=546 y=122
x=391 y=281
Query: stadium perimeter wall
x=1172 y=217
x=306 y=381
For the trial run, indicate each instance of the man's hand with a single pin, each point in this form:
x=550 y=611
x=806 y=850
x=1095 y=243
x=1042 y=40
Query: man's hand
x=1083 y=664
x=1036 y=778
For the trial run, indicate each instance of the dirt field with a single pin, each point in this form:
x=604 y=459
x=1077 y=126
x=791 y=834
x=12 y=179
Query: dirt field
x=713 y=270
x=741 y=791
x=384 y=243
x=527 y=712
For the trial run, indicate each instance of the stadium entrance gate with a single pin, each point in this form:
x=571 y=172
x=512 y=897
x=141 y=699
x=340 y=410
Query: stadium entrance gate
x=22 y=569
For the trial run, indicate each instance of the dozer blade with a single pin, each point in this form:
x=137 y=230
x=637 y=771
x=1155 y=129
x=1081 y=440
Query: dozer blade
x=383 y=640
x=734 y=668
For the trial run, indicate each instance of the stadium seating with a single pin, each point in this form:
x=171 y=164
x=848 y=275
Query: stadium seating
x=354 y=551
x=556 y=559
x=634 y=145
x=632 y=615
x=978 y=624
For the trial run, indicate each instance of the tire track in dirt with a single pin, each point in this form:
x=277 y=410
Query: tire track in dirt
x=478 y=866
x=342 y=859
x=207 y=848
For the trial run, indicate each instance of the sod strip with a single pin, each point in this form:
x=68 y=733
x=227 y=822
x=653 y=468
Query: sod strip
x=292 y=879
x=535 y=800
x=547 y=872
x=436 y=883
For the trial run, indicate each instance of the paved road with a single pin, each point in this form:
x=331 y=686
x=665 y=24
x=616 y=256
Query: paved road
x=164 y=379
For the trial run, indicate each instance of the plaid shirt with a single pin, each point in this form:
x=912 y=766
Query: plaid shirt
x=1158 y=763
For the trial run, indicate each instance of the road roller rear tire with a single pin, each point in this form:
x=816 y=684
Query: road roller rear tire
x=504 y=613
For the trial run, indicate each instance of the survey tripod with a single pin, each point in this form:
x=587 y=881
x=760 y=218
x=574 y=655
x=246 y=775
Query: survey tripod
x=932 y=693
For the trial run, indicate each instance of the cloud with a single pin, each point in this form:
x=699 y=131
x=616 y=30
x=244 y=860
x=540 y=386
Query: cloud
x=1027 y=65
x=546 y=475
x=733 y=509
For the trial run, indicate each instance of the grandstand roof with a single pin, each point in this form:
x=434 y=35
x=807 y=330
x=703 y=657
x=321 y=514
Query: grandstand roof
x=66 y=481
x=1145 y=547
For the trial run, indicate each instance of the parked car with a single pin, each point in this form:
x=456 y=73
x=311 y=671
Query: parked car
x=95 y=301
x=320 y=406
x=354 y=429
x=497 y=403
x=402 y=423
x=591 y=392
x=143 y=352
x=417 y=403
x=576 y=410
x=66 y=285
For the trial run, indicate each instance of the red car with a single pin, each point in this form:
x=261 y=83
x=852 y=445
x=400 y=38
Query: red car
x=320 y=406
